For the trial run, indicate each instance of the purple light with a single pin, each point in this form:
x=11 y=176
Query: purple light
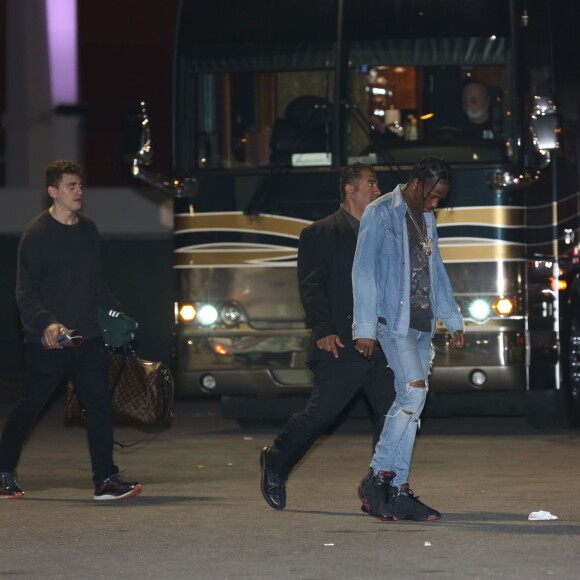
x=61 y=18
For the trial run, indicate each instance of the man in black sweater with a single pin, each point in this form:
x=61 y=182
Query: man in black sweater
x=58 y=289
x=325 y=257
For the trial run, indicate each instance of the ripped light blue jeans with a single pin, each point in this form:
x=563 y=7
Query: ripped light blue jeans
x=410 y=358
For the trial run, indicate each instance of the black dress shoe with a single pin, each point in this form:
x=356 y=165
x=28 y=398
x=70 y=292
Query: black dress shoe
x=273 y=485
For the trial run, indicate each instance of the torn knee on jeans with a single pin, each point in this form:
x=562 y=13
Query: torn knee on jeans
x=417 y=384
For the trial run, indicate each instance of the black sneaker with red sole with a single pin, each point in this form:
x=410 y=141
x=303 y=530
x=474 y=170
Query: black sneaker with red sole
x=9 y=488
x=374 y=492
x=115 y=488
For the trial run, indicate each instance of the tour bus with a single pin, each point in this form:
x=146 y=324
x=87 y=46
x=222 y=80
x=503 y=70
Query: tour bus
x=268 y=110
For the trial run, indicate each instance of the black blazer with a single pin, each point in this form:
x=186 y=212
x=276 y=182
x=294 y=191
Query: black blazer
x=325 y=256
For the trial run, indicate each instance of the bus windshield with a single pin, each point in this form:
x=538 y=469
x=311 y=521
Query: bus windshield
x=265 y=97
x=396 y=114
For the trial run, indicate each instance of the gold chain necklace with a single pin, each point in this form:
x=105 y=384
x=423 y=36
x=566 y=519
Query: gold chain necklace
x=426 y=243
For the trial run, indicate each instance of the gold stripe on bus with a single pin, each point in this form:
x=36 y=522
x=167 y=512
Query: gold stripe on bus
x=245 y=258
x=481 y=216
x=238 y=221
x=482 y=253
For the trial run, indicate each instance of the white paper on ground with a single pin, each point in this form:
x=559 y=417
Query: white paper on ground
x=542 y=515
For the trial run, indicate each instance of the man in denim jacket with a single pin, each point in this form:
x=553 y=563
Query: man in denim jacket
x=400 y=288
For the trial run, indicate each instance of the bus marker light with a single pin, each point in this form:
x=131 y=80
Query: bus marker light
x=187 y=312
x=503 y=306
x=562 y=284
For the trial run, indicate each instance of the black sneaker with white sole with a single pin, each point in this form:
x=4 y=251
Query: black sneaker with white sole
x=115 y=488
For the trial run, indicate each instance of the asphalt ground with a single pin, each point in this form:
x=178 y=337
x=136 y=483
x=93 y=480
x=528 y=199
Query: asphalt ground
x=201 y=514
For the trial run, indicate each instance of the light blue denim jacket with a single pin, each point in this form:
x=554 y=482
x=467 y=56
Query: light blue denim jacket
x=381 y=272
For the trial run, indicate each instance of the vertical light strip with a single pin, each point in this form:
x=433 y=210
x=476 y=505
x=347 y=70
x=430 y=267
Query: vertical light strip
x=61 y=19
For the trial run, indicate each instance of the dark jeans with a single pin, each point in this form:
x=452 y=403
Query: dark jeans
x=87 y=367
x=335 y=384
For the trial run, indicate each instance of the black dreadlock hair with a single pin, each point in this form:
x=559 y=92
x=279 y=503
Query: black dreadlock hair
x=430 y=171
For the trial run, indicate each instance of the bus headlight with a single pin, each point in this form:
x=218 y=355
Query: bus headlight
x=479 y=310
x=207 y=315
x=230 y=314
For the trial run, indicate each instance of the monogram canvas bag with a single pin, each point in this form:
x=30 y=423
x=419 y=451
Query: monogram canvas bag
x=143 y=390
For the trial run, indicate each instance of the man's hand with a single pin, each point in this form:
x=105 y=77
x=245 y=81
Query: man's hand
x=365 y=347
x=51 y=334
x=457 y=341
x=329 y=343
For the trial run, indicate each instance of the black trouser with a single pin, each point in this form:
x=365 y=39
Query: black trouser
x=335 y=384
x=87 y=367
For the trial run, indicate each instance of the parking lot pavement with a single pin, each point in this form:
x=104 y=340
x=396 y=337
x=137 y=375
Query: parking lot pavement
x=201 y=514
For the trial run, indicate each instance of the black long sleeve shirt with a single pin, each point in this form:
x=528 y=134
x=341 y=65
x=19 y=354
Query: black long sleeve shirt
x=59 y=277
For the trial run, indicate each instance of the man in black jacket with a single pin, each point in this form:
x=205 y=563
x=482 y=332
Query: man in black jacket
x=325 y=256
x=59 y=288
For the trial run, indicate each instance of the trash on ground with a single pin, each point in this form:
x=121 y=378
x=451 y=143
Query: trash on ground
x=542 y=515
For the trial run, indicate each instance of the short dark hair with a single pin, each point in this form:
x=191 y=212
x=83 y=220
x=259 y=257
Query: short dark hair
x=431 y=170
x=351 y=174
x=57 y=169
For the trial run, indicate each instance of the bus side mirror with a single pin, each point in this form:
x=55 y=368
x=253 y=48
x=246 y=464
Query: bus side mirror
x=137 y=144
x=545 y=128
x=545 y=131
x=138 y=150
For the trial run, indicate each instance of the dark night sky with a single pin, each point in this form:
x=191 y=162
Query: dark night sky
x=126 y=56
